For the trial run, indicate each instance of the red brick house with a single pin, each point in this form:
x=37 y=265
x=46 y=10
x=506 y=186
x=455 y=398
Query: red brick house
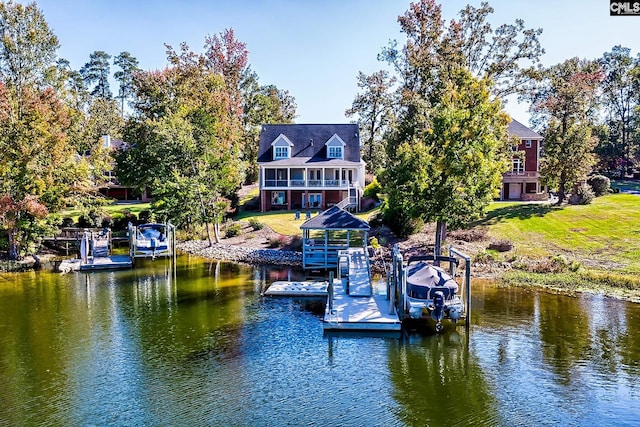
x=112 y=188
x=310 y=166
x=522 y=182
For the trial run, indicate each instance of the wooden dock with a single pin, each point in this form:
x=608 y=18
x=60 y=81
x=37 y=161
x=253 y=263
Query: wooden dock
x=359 y=313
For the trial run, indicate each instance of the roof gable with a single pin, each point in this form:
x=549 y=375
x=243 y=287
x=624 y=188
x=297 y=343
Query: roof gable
x=521 y=131
x=335 y=218
x=309 y=140
x=282 y=140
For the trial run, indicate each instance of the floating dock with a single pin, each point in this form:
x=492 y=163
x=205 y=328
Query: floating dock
x=298 y=289
x=112 y=262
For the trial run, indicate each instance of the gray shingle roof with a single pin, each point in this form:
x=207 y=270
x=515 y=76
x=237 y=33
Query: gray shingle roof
x=518 y=129
x=335 y=218
x=309 y=141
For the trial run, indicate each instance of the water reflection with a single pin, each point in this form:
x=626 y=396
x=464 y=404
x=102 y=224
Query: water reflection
x=200 y=345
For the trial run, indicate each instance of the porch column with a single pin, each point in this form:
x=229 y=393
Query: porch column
x=261 y=178
x=323 y=176
x=289 y=199
x=324 y=200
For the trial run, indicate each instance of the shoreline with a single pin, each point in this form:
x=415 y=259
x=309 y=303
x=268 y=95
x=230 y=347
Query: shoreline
x=590 y=282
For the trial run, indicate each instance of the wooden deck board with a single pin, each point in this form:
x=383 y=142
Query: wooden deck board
x=359 y=312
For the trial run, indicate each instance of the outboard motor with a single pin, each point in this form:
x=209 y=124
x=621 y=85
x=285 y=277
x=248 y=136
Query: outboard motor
x=438 y=312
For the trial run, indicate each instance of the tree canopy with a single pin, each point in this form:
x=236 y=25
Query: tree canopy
x=449 y=148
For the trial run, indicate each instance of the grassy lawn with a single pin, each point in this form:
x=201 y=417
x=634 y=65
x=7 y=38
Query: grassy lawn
x=284 y=222
x=134 y=208
x=606 y=232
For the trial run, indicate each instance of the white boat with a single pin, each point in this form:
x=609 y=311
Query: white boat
x=432 y=294
x=151 y=240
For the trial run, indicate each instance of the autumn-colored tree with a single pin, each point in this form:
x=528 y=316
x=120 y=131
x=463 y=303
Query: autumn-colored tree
x=262 y=104
x=564 y=108
x=186 y=136
x=374 y=110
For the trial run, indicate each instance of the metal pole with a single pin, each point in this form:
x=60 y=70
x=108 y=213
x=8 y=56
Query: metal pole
x=330 y=291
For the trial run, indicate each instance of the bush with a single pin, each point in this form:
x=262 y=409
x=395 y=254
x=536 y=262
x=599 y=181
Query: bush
x=484 y=257
x=583 y=195
x=93 y=219
x=107 y=221
x=145 y=217
x=67 y=222
x=255 y=224
x=121 y=220
x=277 y=241
x=372 y=190
x=600 y=184
x=501 y=245
x=233 y=230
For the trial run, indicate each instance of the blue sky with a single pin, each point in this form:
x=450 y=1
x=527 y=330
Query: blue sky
x=314 y=49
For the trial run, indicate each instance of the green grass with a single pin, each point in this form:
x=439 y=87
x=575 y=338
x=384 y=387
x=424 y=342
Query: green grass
x=284 y=222
x=606 y=232
x=134 y=208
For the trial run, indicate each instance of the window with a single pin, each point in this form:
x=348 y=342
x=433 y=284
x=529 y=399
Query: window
x=335 y=152
x=315 y=200
x=518 y=166
x=280 y=153
x=527 y=143
x=277 y=198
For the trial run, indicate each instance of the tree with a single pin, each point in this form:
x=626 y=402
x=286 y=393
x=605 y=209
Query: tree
x=565 y=107
x=96 y=71
x=186 y=140
x=261 y=105
x=621 y=96
x=449 y=147
x=39 y=169
x=128 y=66
x=27 y=47
x=508 y=56
x=374 y=109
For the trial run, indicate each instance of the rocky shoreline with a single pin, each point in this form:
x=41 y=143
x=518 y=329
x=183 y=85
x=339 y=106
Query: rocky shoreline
x=256 y=256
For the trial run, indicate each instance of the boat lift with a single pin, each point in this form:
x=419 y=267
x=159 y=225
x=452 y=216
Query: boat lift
x=397 y=280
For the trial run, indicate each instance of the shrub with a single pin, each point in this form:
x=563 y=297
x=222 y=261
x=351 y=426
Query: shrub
x=232 y=230
x=278 y=241
x=107 y=221
x=600 y=184
x=484 y=257
x=67 y=222
x=583 y=195
x=374 y=243
x=93 y=219
x=121 y=220
x=501 y=245
x=295 y=244
x=145 y=217
x=372 y=190
x=255 y=224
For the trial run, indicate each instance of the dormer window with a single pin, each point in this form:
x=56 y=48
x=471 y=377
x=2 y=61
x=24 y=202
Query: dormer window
x=335 y=147
x=335 y=152
x=280 y=153
x=281 y=147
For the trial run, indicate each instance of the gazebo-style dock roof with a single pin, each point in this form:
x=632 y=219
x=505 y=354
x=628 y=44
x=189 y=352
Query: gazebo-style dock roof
x=328 y=233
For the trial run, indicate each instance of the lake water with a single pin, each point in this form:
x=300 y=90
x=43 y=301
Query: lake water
x=148 y=347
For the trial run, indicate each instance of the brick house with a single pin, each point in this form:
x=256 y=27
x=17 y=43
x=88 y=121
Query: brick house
x=522 y=182
x=310 y=166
